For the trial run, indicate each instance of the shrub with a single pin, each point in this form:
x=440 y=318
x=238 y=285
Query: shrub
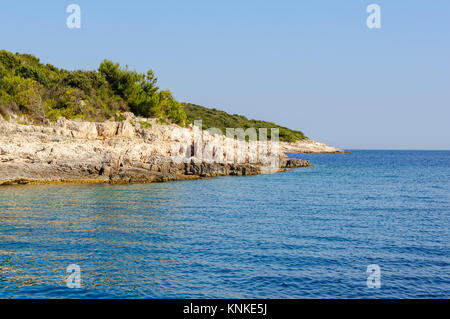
x=3 y=70
x=87 y=81
x=30 y=72
x=162 y=121
x=145 y=124
x=120 y=117
x=141 y=93
x=171 y=109
x=8 y=60
x=78 y=80
x=28 y=58
x=25 y=92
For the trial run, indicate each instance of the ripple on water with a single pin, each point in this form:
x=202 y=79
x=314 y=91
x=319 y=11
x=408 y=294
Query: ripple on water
x=304 y=233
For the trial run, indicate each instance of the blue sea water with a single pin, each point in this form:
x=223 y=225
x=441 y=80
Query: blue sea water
x=304 y=233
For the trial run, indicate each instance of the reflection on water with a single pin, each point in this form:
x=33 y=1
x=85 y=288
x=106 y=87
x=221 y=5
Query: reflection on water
x=110 y=232
x=309 y=232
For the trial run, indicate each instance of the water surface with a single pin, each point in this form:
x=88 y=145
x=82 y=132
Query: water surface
x=305 y=233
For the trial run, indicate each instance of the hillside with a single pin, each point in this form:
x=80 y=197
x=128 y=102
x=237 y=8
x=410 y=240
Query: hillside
x=42 y=93
x=222 y=120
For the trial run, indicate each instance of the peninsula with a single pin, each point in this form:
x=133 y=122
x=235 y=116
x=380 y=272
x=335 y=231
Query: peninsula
x=114 y=125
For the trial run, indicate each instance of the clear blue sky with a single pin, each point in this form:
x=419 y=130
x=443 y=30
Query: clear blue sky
x=309 y=65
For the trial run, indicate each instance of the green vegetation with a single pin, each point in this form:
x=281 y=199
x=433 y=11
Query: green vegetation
x=145 y=124
x=28 y=87
x=141 y=93
x=43 y=92
x=222 y=120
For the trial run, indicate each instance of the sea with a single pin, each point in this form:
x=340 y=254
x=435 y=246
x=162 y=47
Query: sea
x=369 y=224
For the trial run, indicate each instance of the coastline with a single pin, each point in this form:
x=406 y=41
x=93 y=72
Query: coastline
x=309 y=146
x=72 y=152
x=143 y=177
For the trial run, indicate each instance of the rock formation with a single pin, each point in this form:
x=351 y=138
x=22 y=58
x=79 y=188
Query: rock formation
x=308 y=146
x=133 y=150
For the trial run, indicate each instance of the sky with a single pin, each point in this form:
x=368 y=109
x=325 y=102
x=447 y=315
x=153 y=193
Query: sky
x=309 y=65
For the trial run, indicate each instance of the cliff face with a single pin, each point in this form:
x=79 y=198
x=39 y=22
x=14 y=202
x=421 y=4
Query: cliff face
x=127 y=151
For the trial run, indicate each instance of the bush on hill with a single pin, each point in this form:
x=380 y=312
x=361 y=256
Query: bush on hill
x=44 y=92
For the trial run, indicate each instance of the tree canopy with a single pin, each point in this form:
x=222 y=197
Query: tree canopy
x=45 y=92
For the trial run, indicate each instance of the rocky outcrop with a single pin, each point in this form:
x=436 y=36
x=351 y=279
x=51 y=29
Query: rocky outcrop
x=134 y=150
x=308 y=146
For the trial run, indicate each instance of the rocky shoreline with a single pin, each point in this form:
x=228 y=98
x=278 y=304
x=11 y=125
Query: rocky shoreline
x=88 y=174
x=135 y=150
x=309 y=146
